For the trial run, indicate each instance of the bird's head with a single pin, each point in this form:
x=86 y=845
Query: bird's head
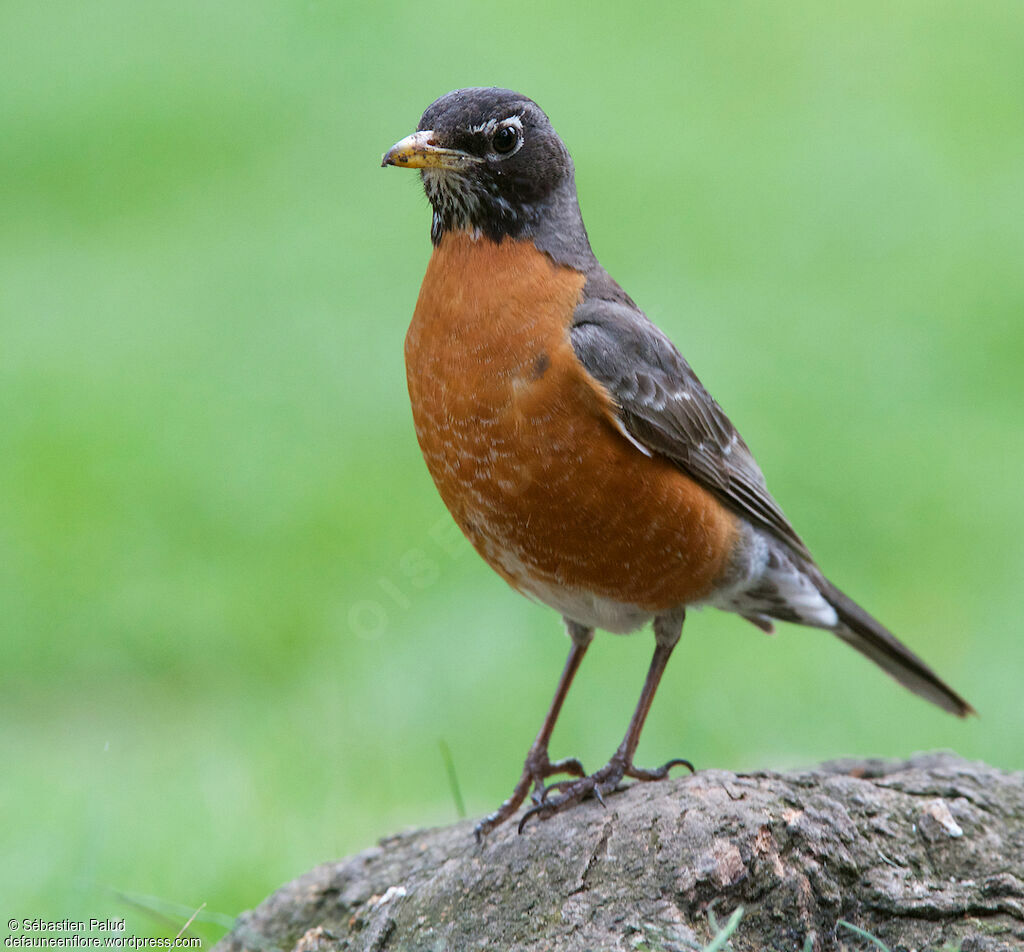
x=491 y=162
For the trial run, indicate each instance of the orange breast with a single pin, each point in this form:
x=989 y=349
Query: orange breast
x=521 y=442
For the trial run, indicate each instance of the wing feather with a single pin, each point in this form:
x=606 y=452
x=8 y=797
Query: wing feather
x=663 y=406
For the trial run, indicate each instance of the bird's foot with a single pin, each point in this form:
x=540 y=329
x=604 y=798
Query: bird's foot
x=605 y=780
x=536 y=770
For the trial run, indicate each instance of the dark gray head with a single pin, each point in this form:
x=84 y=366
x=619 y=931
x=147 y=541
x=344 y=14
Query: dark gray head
x=492 y=163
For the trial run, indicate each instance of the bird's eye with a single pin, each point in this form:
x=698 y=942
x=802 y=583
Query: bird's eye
x=505 y=140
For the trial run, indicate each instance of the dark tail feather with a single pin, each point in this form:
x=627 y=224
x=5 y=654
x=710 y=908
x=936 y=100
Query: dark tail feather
x=859 y=630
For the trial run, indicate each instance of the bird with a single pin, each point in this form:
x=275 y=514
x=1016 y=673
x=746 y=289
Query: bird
x=574 y=445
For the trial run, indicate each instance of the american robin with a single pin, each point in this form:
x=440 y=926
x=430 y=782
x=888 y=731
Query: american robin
x=571 y=441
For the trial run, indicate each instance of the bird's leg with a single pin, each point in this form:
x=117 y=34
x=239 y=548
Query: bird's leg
x=538 y=767
x=667 y=629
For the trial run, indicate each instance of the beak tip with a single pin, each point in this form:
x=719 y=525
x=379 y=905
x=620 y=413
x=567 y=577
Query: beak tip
x=421 y=151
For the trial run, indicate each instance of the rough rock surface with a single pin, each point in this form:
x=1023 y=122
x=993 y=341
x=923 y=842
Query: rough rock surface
x=923 y=854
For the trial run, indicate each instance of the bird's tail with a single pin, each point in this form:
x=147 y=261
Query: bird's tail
x=859 y=630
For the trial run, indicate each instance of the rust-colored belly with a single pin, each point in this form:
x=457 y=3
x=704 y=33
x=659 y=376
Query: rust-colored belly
x=521 y=442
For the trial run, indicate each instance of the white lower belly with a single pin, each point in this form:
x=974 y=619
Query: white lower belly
x=594 y=611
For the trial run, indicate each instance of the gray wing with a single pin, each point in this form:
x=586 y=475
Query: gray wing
x=664 y=407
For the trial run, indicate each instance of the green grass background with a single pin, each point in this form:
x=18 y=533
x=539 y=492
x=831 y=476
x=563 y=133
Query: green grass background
x=234 y=621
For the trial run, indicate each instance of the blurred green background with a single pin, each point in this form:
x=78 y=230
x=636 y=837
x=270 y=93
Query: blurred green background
x=235 y=619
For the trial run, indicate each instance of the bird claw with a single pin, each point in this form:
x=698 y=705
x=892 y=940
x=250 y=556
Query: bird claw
x=568 y=765
x=559 y=786
x=573 y=791
x=606 y=780
x=658 y=773
x=535 y=771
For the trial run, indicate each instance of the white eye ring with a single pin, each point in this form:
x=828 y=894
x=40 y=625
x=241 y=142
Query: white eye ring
x=516 y=125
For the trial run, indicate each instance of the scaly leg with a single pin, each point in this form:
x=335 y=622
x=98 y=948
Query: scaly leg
x=667 y=629
x=538 y=767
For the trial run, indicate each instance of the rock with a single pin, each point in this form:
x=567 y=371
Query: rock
x=921 y=854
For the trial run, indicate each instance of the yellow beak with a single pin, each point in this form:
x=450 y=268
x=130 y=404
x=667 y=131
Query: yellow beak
x=421 y=151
